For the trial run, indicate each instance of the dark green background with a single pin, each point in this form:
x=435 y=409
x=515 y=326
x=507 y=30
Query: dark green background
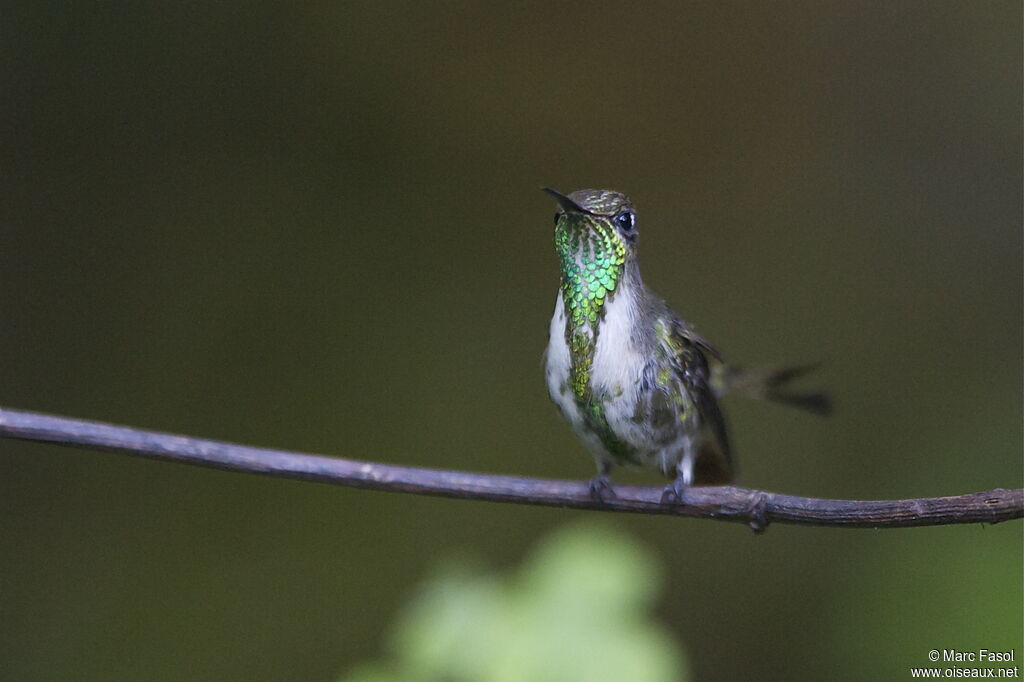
x=318 y=227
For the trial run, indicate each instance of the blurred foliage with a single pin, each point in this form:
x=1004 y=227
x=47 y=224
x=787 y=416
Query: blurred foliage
x=577 y=609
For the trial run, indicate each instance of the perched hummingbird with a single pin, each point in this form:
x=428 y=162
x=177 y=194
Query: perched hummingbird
x=634 y=380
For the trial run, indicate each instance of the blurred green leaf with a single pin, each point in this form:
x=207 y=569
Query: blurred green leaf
x=578 y=608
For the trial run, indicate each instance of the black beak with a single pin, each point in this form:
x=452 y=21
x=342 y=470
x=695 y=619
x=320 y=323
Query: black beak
x=567 y=204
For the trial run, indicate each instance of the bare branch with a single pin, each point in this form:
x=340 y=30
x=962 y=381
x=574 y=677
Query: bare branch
x=754 y=507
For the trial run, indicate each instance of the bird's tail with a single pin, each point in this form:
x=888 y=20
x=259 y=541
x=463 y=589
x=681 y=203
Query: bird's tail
x=770 y=383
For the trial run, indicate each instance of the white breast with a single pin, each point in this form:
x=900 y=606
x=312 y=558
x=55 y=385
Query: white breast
x=617 y=369
x=558 y=362
x=618 y=363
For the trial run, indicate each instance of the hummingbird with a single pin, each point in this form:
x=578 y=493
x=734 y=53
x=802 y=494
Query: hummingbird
x=636 y=382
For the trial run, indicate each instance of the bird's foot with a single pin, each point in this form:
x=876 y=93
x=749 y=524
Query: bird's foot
x=601 y=488
x=674 y=492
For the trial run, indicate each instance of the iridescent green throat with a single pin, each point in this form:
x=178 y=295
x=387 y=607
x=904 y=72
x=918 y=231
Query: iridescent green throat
x=593 y=259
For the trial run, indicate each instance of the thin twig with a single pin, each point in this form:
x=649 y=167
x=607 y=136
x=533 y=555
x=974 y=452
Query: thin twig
x=754 y=507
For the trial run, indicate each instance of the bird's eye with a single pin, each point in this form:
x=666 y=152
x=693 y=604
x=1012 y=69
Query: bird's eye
x=626 y=221
x=557 y=216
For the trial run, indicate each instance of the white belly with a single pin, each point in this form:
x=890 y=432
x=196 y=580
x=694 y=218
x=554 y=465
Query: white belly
x=558 y=362
x=617 y=369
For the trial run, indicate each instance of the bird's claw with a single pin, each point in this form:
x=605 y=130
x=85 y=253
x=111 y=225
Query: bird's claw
x=600 y=487
x=674 y=492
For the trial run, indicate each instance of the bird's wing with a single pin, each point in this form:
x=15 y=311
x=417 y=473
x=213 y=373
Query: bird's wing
x=691 y=351
x=689 y=333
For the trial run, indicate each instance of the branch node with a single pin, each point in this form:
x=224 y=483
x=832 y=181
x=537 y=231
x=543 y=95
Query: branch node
x=758 y=513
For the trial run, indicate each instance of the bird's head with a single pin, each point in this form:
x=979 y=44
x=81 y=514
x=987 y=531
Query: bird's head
x=595 y=236
x=596 y=220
